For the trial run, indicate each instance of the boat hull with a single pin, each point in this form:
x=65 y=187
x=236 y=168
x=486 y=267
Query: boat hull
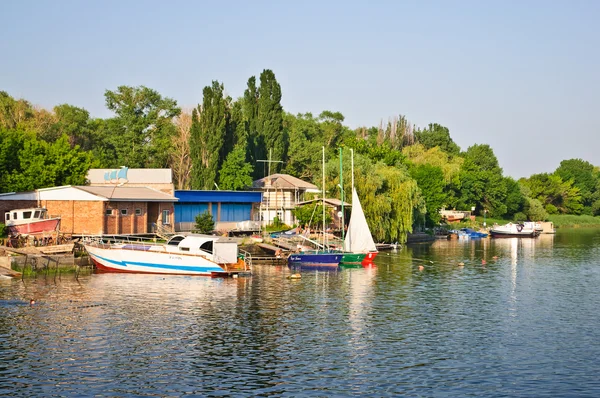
x=508 y=234
x=35 y=227
x=369 y=258
x=315 y=259
x=353 y=258
x=144 y=259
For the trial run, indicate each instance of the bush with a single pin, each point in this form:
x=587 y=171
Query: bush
x=3 y=230
x=204 y=223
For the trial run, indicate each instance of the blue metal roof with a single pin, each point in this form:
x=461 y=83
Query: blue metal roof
x=219 y=196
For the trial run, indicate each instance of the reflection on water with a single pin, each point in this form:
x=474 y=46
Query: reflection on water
x=506 y=317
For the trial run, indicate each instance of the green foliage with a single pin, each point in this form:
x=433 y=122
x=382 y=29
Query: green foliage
x=481 y=182
x=28 y=163
x=271 y=135
x=312 y=215
x=142 y=129
x=583 y=177
x=437 y=136
x=236 y=173
x=535 y=210
x=204 y=223
x=3 y=230
x=430 y=180
x=207 y=135
x=556 y=195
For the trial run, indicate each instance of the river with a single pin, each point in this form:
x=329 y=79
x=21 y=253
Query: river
x=518 y=318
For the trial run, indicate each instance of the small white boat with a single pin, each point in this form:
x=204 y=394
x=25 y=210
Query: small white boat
x=34 y=220
x=182 y=255
x=511 y=230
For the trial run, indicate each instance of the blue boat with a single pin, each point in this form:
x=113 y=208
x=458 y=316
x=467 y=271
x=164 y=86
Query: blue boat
x=315 y=258
x=471 y=233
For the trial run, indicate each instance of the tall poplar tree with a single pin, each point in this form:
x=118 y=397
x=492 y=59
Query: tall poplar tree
x=209 y=127
x=250 y=116
x=270 y=120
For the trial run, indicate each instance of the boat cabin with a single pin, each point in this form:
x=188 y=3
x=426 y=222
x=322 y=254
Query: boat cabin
x=223 y=250
x=22 y=216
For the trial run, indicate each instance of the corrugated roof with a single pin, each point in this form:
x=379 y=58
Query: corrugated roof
x=218 y=196
x=283 y=181
x=122 y=194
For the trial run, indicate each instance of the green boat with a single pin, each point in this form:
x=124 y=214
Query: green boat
x=353 y=258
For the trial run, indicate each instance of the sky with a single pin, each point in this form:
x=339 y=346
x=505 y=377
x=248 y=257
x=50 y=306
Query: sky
x=520 y=76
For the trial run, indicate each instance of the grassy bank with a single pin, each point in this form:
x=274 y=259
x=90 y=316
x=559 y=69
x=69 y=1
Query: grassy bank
x=571 y=221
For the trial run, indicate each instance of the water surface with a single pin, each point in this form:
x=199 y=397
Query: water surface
x=524 y=323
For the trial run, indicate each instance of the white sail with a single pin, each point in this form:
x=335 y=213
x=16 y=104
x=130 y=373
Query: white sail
x=358 y=238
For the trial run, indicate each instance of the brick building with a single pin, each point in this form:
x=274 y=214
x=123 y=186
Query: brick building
x=93 y=210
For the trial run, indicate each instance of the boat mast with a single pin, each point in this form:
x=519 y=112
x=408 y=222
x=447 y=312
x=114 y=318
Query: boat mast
x=342 y=190
x=352 y=156
x=323 y=196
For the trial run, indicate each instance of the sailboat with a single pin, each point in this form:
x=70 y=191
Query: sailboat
x=358 y=238
x=317 y=258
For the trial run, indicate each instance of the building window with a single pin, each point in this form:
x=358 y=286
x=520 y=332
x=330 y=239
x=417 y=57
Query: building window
x=123 y=212
x=109 y=212
x=166 y=217
x=138 y=212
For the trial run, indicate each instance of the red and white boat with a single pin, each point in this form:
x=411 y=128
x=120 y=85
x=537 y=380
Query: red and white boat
x=30 y=221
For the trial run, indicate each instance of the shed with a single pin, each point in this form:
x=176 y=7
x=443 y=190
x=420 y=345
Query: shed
x=227 y=207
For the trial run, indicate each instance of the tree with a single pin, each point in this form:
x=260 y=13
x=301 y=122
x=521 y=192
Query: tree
x=75 y=123
x=437 y=136
x=430 y=180
x=236 y=173
x=34 y=163
x=481 y=182
x=304 y=152
x=270 y=119
x=208 y=131
x=143 y=126
x=13 y=112
x=204 y=223
x=556 y=195
x=180 y=155
x=582 y=174
x=250 y=118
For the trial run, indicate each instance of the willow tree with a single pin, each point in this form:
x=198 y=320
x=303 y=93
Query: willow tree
x=209 y=125
x=388 y=195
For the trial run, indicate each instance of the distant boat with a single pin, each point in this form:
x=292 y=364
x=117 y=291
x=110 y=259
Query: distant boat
x=30 y=221
x=511 y=230
x=471 y=233
x=358 y=238
x=453 y=215
x=182 y=255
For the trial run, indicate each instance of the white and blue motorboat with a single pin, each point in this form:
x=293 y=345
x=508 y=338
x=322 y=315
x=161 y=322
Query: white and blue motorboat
x=182 y=255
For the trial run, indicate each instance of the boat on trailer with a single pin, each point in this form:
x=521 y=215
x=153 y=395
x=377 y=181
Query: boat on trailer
x=30 y=221
x=193 y=254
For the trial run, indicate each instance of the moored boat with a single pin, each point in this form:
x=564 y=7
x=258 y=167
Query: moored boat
x=29 y=221
x=318 y=258
x=512 y=230
x=182 y=255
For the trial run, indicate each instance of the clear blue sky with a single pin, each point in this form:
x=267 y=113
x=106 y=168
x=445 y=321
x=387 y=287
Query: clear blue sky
x=521 y=76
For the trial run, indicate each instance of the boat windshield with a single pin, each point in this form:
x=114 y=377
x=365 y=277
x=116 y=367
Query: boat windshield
x=207 y=246
x=27 y=215
x=36 y=214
